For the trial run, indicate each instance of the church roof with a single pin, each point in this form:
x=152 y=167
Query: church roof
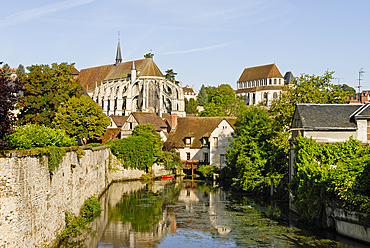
x=94 y=75
x=260 y=72
x=150 y=69
x=197 y=128
x=122 y=70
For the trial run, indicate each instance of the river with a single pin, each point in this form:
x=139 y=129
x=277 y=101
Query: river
x=184 y=213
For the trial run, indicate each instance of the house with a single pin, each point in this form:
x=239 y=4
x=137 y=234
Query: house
x=329 y=123
x=127 y=123
x=133 y=86
x=202 y=140
x=332 y=122
x=190 y=92
x=261 y=84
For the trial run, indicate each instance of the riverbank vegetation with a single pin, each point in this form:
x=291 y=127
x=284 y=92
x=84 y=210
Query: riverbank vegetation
x=330 y=174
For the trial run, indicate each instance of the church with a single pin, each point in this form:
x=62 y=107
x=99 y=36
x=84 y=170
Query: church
x=133 y=86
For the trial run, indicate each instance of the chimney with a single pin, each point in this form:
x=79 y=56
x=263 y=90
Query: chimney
x=193 y=87
x=173 y=121
x=87 y=88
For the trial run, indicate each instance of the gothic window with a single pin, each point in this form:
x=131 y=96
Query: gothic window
x=254 y=98
x=275 y=95
x=274 y=80
x=270 y=81
x=215 y=141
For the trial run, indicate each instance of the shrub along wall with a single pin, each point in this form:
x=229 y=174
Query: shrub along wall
x=330 y=174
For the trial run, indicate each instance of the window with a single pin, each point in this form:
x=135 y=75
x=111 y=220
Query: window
x=187 y=141
x=222 y=158
x=205 y=156
x=205 y=141
x=130 y=125
x=215 y=141
x=188 y=156
x=274 y=80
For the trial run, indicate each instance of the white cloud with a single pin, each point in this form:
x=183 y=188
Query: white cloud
x=196 y=49
x=31 y=14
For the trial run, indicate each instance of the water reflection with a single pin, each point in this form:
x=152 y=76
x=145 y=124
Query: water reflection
x=191 y=214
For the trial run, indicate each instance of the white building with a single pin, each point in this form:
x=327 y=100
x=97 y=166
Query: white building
x=190 y=92
x=203 y=139
x=133 y=86
x=260 y=84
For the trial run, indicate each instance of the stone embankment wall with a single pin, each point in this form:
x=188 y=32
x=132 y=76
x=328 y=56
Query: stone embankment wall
x=351 y=224
x=33 y=203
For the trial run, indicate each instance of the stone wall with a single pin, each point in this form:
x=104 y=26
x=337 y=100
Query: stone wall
x=350 y=224
x=33 y=203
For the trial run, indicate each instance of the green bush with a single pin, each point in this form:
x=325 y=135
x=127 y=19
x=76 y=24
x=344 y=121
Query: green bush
x=330 y=174
x=33 y=136
x=207 y=170
x=171 y=160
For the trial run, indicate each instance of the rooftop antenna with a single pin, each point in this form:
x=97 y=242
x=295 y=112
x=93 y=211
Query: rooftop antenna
x=338 y=80
x=359 y=79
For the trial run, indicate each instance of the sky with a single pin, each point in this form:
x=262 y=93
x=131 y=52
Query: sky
x=206 y=42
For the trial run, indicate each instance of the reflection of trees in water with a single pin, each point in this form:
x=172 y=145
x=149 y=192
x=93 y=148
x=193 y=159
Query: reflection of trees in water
x=144 y=209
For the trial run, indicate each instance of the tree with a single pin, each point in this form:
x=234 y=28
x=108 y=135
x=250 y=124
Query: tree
x=252 y=156
x=21 y=72
x=222 y=102
x=170 y=75
x=307 y=89
x=8 y=98
x=202 y=96
x=351 y=91
x=148 y=132
x=191 y=106
x=149 y=55
x=46 y=89
x=81 y=117
x=6 y=71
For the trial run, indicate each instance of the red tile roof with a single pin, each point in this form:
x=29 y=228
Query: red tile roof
x=119 y=119
x=150 y=118
x=197 y=128
x=93 y=76
x=260 y=72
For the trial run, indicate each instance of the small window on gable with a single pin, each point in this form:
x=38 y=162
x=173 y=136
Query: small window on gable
x=187 y=141
x=215 y=141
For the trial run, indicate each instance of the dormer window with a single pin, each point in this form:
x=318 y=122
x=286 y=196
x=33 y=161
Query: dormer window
x=205 y=141
x=187 y=141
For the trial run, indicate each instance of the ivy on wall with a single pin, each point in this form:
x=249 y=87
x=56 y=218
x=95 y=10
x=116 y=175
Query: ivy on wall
x=330 y=174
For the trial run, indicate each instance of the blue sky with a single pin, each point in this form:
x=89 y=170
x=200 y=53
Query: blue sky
x=205 y=41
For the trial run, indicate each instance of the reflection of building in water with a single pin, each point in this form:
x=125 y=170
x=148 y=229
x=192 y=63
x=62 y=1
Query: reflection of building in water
x=213 y=200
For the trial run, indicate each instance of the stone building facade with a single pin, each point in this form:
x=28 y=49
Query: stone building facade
x=133 y=86
x=260 y=84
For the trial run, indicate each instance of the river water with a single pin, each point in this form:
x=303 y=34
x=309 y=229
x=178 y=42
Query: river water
x=182 y=213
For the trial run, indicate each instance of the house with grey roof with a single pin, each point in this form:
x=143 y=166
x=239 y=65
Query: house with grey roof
x=330 y=122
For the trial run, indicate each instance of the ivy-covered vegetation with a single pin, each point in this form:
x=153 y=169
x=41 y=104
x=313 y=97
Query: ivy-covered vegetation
x=141 y=149
x=75 y=224
x=333 y=174
x=32 y=136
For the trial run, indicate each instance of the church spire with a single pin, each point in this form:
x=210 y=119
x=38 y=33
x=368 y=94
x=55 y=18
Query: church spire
x=118 y=56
